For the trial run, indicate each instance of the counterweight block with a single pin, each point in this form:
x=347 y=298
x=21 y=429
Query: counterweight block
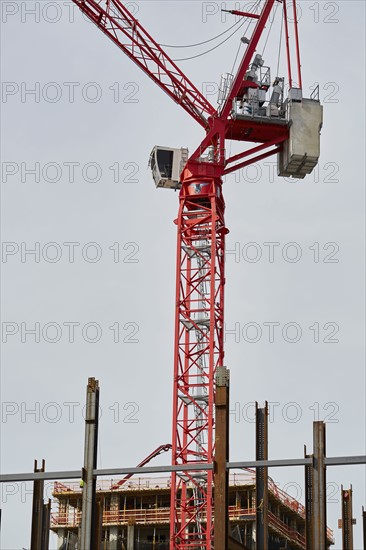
x=300 y=153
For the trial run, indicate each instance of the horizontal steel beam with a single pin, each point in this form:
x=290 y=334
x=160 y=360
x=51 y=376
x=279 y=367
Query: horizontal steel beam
x=270 y=463
x=10 y=478
x=155 y=469
x=345 y=460
x=76 y=474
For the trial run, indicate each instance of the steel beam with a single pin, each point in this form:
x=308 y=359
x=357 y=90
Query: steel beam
x=364 y=527
x=46 y=522
x=221 y=473
x=112 y=472
x=261 y=484
x=37 y=509
x=86 y=535
x=347 y=519
x=345 y=460
x=269 y=463
x=308 y=502
x=194 y=467
x=319 y=489
x=98 y=523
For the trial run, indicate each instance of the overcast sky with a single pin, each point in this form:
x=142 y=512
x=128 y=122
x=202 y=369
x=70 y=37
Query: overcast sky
x=86 y=133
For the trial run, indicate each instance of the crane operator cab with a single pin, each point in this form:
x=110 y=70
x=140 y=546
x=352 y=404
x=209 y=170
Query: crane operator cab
x=167 y=165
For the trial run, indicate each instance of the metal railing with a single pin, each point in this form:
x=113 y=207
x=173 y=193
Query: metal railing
x=71 y=516
x=285 y=530
x=141 y=484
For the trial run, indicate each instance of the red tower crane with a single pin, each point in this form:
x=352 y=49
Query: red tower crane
x=288 y=127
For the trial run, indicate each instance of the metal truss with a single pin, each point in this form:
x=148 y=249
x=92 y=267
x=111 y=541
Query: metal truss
x=198 y=352
x=118 y=23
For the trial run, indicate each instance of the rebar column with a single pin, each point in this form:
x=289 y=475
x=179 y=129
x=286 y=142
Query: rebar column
x=221 y=477
x=261 y=476
x=347 y=519
x=88 y=516
x=37 y=510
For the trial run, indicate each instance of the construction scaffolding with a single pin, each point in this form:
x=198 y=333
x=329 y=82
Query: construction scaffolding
x=145 y=503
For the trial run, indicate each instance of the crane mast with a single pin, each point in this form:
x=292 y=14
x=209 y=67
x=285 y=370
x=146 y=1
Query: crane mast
x=274 y=126
x=199 y=350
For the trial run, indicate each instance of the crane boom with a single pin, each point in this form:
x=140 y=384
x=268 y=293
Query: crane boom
x=118 y=23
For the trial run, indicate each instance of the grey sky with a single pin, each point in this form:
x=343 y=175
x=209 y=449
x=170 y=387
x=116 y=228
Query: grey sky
x=303 y=381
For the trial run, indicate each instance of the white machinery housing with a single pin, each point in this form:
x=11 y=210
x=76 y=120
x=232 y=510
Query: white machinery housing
x=300 y=153
x=166 y=165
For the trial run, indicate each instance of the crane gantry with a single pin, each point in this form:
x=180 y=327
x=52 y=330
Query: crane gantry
x=286 y=126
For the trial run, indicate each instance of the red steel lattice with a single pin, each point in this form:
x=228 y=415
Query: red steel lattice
x=198 y=352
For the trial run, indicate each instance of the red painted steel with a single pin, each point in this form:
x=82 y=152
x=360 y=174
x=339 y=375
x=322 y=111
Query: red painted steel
x=297 y=44
x=239 y=77
x=252 y=151
x=287 y=44
x=199 y=350
x=118 y=23
x=199 y=321
x=242 y=13
x=252 y=160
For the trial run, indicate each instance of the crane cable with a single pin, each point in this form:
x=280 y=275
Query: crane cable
x=270 y=28
x=256 y=6
x=211 y=49
x=200 y=43
x=237 y=53
x=279 y=48
x=226 y=39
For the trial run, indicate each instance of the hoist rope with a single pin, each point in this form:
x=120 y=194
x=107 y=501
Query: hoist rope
x=270 y=28
x=279 y=48
x=246 y=30
x=211 y=49
x=226 y=39
x=204 y=42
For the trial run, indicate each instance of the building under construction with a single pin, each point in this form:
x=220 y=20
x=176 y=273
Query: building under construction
x=135 y=514
x=200 y=506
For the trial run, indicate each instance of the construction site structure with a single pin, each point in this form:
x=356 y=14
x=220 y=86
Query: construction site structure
x=348 y=521
x=254 y=108
x=136 y=514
